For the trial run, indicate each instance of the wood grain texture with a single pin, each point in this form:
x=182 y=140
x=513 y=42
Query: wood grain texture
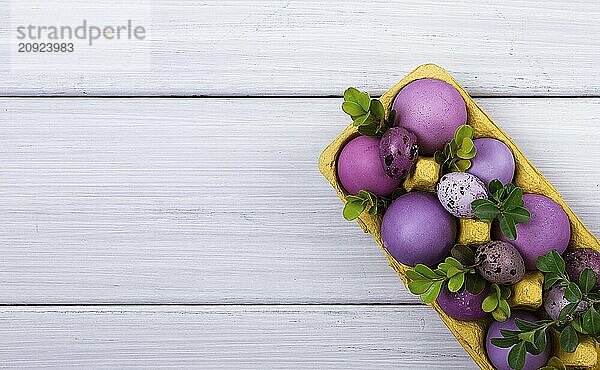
x=178 y=200
x=299 y=47
x=236 y=337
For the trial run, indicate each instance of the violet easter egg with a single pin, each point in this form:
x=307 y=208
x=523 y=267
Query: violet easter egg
x=548 y=229
x=499 y=356
x=462 y=305
x=417 y=229
x=432 y=110
x=398 y=151
x=359 y=168
x=493 y=160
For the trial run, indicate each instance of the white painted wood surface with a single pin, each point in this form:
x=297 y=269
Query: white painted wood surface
x=217 y=200
x=238 y=337
x=298 y=47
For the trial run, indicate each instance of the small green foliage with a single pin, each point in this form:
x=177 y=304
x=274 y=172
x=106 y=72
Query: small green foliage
x=458 y=152
x=554 y=364
x=505 y=204
x=357 y=204
x=497 y=302
x=368 y=115
x=570 y=322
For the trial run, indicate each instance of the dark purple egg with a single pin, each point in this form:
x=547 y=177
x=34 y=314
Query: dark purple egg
x=359 y=168
x=499 y=356
x=462 y=305
x=547 y=230
x=577 y=260
x=398 y=151
x=417 y=229
x=493 y=160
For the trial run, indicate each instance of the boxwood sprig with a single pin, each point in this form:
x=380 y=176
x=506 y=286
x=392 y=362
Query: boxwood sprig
x=531 y=337
x=368 y=115
x=504 y=204
x=365 y=201
x=458 y=152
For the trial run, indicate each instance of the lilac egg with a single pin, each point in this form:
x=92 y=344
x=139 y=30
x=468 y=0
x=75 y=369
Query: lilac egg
x=456 y=191
x=493 y=160
x=548 y=229
x=417 y=229
x=555 y=301
x=499 y=356
x=398 y=150
x=359 y=168
x=462 y=305
x=432 y=110
x=577 y=260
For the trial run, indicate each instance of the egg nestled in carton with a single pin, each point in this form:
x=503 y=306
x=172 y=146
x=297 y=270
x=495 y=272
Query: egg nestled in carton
x=432 y=194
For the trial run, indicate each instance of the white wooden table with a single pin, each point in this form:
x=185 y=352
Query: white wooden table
x=176 y=217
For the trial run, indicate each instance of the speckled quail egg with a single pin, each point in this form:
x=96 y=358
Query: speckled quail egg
x=499 y=262
x=456 y=191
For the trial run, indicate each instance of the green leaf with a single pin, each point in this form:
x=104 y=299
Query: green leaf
x=490 y=303
x=507 y=226
x=474 y=284
x=439 y=157
x=519 y=214
x=550 y=279
x=554 y=364
x=453 y=262
x=452 y=271
x=364 y=100
x=504 y=308
x=413 y=275
x=353 y=209
x=591 y=321
x=377 y=109
x=505 y=292
x=477 y=202
x=505 y=342
x=462 y=165
x=463 y=132
x=499 y=315
x=567 y=310
x=551 y=262
x=351 y=94
x=426 y=271
x=467 y=149
x=572 y=293
x=587 y=280
x=432 y=293
x=353 y=109
x=495 y=186
x=514 y=199
x=456 y=282
x=568 y=339
x=463 y=254
x=486 y=212
x=576 y=323
x=419 y=287
x=540 y=340
x=516 y=356
x=525 y=325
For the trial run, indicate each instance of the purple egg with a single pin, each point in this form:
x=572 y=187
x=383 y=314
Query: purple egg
x=398 y=150
x=548 y=229
x=359 y=168
x=462 y=305
x=493 y=160
x=555 y=301
x=577 y=260
x=499 y=356
x=417 y=229
x=457 y=190
x=432 y=110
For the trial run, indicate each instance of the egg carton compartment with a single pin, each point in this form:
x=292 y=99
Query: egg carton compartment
x=527 y=294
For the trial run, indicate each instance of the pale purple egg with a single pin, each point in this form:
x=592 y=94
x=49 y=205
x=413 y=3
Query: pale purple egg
x=555 y=301
x=359 y=168
x=456 y=191
x=493 y=160
x=577 y=260
x=462 y=305
x=417 y=229
x=547 y=230
x=499 y=356
x=398 y=150
x=432 y=110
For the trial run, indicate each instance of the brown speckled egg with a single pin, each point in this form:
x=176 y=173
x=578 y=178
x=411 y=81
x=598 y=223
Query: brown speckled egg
x=499 y=262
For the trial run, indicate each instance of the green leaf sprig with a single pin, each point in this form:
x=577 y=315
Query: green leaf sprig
x=458 y=152
x=497 y=302
x=368 y=115
x=531 y=337
x=504 y=204
x=363 y=201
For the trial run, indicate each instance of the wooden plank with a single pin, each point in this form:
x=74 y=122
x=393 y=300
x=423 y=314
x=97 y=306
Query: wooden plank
x=217 y=200
x=240 y=337
x=267 y=47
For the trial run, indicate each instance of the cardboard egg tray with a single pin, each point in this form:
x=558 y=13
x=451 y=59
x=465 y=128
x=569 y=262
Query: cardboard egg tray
x=527 y=294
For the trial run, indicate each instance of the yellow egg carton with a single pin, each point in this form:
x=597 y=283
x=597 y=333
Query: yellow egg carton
x=527 y=294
